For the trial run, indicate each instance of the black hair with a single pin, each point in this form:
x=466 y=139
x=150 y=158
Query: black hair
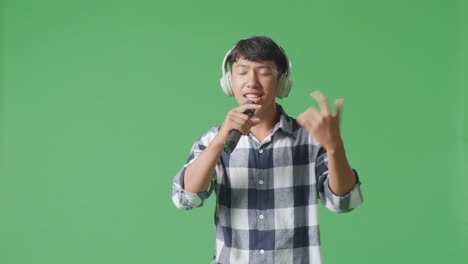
x=259 y=48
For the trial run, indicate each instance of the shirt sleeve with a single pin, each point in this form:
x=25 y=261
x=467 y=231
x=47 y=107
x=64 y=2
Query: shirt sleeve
x=335 y=203
x=188 y=200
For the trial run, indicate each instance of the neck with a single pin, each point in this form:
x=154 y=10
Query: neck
x=267 y=122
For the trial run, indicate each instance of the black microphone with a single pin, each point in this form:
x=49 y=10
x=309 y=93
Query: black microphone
x=234 y=135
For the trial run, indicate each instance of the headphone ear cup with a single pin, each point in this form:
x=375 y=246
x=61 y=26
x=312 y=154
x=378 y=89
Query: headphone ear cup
x=284 y=86
x=226 y=84
x=287 y=87
x=280 y=86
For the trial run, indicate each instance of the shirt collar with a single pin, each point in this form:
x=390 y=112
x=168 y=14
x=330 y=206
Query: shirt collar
x=285 y=122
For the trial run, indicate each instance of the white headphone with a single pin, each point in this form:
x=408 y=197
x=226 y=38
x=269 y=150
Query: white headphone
x=284 y=81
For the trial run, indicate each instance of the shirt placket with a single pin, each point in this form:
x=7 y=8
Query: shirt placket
x=261 y=199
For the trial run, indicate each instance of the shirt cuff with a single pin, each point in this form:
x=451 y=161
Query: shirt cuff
x=183 y=199
x=344 y=203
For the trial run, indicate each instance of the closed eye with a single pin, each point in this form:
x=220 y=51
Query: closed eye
x=265 y=72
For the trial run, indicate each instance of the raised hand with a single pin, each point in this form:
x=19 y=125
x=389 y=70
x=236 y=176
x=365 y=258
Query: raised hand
x=323 y=125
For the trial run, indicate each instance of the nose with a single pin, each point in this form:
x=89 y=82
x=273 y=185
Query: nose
x=252 y=79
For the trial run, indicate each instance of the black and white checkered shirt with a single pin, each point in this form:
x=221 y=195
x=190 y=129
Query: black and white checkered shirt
x=267 y=193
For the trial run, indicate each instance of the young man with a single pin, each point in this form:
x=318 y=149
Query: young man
x=267 y=188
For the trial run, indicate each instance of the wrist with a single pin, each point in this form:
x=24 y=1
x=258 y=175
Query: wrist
x=219 y=140
x=336 y=148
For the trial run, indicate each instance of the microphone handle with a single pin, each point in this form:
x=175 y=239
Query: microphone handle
x=235 y=135
x=232 y=140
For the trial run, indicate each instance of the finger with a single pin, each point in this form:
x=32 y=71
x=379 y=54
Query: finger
x=338 y=107
x=255 y=120
x=309 y=115
x=320 y=98
x=239 y=127
x=312 y=111
x=246 y=107
x=239 y=119
x=245 y=128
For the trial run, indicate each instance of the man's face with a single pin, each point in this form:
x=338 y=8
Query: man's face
x=255 y=81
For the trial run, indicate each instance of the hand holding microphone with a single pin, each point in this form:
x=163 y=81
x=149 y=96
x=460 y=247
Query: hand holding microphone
x=240 y=121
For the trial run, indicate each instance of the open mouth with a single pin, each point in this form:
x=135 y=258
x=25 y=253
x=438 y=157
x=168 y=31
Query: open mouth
x=254 y=97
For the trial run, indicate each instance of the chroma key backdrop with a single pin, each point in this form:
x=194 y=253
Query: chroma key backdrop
x=101 y=101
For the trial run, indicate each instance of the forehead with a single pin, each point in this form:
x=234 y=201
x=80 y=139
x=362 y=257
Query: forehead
x=242 y=62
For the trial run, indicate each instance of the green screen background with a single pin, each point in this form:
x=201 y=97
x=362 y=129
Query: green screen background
x=100 y=102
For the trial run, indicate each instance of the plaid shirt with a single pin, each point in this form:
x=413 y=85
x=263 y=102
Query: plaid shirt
x=267 y=193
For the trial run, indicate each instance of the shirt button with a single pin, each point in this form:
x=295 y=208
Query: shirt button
x=260 y=216
x=262 y=251
x=260 y=151
x=260 y=181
